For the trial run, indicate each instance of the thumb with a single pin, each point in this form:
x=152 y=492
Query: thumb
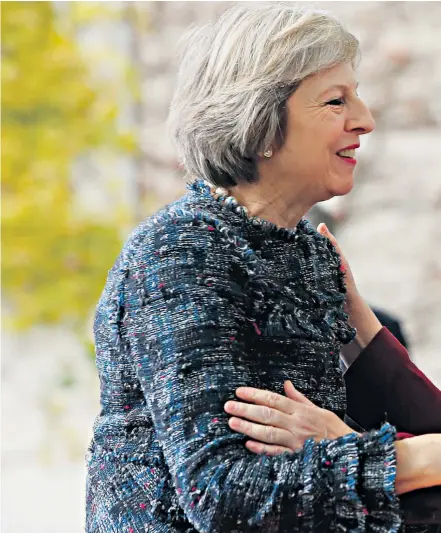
x=322 y=228
x=293 y=394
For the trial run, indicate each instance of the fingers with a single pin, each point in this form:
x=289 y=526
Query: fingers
x=262 y=433
x=267 y=398
x=323 y=230
x=261 y=414
x=294 y=394
x=260 y=448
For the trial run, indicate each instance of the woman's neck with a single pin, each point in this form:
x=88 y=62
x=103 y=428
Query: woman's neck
x=265 y=201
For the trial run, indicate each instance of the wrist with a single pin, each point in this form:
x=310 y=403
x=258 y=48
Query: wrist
x=353 y=297
x=418 y=463
x=363 y=319
x=336 y=427
x=434 y=458
x=355 y=306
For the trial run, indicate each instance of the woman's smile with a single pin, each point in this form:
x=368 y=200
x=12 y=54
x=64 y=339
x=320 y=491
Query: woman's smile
x=346 y=155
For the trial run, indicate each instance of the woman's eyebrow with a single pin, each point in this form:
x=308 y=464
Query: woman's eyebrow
x=341 y=87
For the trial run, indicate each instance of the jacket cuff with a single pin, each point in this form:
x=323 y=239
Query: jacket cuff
x=379 y=469
x=363 y=473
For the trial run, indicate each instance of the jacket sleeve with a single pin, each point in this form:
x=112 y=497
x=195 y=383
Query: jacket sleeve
x=403 y=394
x=186 y=326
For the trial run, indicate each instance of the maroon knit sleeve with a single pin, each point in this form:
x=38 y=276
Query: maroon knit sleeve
x=383 y=384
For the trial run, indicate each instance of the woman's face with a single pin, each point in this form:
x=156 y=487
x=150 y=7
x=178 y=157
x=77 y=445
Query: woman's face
x=324 y=116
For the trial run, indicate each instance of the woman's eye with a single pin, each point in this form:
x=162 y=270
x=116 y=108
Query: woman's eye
x=336 y=101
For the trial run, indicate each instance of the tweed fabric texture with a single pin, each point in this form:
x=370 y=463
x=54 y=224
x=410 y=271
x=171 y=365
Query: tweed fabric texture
x=202 y=300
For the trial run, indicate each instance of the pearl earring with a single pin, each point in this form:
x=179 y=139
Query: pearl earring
x=268 y=153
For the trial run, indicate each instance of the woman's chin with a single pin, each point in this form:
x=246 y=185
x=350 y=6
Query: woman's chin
x=341 y=187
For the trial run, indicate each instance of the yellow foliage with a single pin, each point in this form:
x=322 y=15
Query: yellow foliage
x=55 y=258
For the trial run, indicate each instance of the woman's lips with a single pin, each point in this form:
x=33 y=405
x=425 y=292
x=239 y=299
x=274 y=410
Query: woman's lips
x=348 y=160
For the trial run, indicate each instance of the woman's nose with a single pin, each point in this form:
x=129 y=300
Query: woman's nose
x=362 y=120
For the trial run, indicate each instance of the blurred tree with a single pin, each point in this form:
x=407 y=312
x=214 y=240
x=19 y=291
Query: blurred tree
x=55 y=256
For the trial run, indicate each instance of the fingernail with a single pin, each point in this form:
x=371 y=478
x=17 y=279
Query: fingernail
x=229 y=406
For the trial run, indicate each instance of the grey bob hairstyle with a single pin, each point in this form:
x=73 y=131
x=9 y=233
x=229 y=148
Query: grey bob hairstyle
x=234 y=80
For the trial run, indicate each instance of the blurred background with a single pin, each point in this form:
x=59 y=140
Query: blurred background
x=85 y=156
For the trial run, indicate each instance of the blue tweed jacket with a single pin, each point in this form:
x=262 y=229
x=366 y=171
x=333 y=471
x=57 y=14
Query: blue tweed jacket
x=201 y=301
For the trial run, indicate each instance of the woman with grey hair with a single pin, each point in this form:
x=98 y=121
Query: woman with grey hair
x=229 y=286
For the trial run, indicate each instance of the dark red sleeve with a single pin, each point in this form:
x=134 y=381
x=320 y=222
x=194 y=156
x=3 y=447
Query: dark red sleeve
x=383 y=383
